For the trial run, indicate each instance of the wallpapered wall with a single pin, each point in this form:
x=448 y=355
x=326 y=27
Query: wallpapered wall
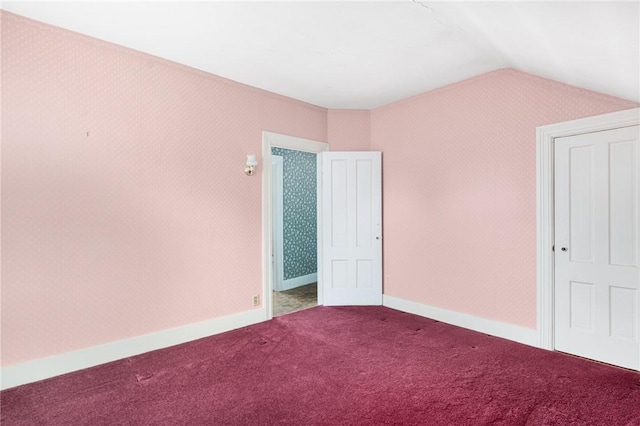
x=299 y=215
x=460 y=190
x=125 y=207
x=349 y=130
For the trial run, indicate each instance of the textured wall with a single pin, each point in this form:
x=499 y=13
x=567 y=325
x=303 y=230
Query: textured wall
x=460 y=190
x=349 y=130
x=299 y=212
x=125 y=209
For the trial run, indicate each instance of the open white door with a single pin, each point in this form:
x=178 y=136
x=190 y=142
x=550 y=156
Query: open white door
x=597 y=281
x=352 y=228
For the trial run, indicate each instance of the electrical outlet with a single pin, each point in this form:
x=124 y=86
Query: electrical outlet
x=387 y=279
x=256 y=300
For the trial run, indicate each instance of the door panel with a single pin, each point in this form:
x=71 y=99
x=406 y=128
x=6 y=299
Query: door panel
x=352 y=219
x=623 y=210
x=581 y=202
x=596 y=247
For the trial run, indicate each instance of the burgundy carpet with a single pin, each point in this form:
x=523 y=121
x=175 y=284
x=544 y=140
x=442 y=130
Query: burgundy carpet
x=336 y=366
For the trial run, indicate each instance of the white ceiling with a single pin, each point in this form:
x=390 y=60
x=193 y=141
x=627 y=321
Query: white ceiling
x=361 y=55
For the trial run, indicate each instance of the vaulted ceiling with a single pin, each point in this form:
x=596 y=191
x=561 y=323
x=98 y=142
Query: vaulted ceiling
x=361 y=55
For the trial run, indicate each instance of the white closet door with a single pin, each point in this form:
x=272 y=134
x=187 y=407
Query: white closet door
x=596 y=247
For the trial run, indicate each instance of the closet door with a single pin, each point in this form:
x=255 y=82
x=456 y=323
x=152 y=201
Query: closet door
x=596 y=248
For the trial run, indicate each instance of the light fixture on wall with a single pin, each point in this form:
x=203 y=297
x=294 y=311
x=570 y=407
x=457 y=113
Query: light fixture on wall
x=250 y=167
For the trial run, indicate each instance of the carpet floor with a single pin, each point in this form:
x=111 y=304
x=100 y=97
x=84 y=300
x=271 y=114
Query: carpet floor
x=336 y=366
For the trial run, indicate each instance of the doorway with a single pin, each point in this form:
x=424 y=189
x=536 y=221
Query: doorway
x=584 y=167
x=269 y=141
x=294 y=222
x=349 y=223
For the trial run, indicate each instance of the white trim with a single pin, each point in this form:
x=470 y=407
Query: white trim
x=545 y=136
x=295 y=143
x=504 y=330
x=270 y=140
x=299 y=281
x=44 y=368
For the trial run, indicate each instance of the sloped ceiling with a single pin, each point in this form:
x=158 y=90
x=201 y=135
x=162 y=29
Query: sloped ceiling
x=361 y=55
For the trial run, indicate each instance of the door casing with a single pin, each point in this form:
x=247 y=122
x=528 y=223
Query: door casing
x=545 y=136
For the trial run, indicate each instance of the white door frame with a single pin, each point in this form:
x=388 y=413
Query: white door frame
x=545 y=136
x=269 y=140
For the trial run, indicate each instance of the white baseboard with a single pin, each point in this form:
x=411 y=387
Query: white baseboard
x=44 y=368
x=299 y=281
x=516 y=333
x=40 y=369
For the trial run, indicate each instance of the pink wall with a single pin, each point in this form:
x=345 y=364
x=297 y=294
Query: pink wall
x=460 y=190
x=349 y=130
x=125 y=209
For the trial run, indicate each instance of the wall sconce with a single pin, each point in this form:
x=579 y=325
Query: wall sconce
x=250 y=167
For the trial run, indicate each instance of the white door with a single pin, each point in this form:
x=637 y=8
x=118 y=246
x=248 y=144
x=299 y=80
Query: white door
x=596 y=246
x=351 y=228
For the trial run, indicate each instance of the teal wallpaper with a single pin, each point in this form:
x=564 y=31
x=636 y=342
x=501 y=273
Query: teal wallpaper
x=299 y=215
